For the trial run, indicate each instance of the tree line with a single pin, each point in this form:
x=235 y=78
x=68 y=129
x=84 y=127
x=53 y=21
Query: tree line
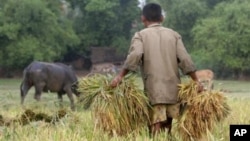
x=215 y=32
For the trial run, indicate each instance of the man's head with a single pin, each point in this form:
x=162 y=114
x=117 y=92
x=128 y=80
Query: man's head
x=151 y=13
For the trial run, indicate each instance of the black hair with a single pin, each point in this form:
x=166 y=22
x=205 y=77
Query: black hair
x=152 y=12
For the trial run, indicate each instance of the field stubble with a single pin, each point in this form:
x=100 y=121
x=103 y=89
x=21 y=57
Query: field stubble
x=78 y=125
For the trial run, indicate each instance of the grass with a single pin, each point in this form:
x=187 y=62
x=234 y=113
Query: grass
x=78 y=126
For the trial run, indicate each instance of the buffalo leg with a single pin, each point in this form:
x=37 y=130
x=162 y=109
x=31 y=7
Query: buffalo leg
x=38 y=91
x=71 y=98
x=24 y=90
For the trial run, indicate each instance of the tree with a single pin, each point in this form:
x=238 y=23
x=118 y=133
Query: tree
x=105 y=22
x=33 y=30
x=212 y=3
x=181 y=15
x=222 y=39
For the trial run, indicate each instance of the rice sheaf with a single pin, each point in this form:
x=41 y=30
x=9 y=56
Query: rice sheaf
x=203 y=111
x=121 y=110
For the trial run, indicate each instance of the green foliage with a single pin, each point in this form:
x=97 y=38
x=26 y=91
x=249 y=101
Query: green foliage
x=121 y=44
x=101 y=6
x=181 y=15
x=215 y=32
x=30 y=30
x=105 y=22
x=212 y=3
x=27 y=48
x=223 y=37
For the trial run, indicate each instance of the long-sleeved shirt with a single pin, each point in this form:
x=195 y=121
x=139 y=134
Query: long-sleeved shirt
x=160 y=52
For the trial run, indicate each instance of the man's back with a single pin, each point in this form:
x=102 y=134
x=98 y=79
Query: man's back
x=160 y=51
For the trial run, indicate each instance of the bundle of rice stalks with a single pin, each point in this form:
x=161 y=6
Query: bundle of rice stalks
x=202 y=111
x=119 y=110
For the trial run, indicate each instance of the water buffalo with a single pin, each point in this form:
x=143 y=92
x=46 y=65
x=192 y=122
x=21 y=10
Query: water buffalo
x=53 y=77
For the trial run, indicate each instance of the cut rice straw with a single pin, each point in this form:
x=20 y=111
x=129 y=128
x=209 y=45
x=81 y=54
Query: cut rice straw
x=202 y=111
x=121 y=110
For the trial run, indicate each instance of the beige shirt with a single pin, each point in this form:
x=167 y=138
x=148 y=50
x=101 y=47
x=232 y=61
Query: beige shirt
x=156 y=49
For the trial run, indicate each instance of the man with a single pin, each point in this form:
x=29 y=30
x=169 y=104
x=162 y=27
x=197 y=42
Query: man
x=160 y=52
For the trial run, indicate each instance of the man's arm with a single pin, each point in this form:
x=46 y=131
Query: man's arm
x=195 y=78
x=117 y=80
x=132 y=61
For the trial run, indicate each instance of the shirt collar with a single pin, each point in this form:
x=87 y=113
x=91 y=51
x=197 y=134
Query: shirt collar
x=154 y=24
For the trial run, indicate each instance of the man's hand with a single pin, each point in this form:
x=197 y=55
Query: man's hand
x=116 y=81
x=195 y=78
